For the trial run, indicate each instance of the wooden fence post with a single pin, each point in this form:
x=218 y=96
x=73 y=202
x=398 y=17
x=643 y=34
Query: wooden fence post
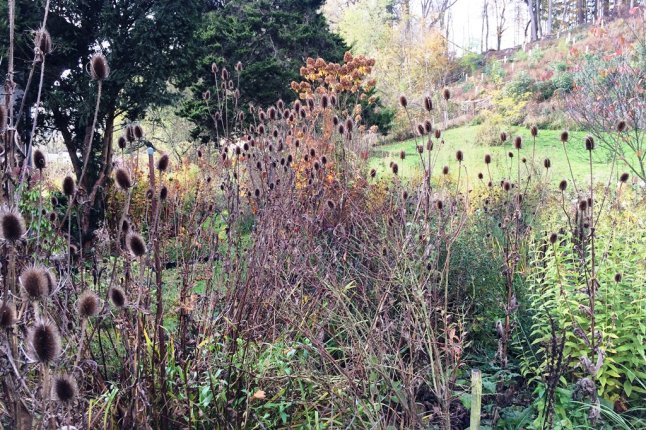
x=476 y=398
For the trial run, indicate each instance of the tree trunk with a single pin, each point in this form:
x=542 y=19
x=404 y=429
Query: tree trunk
x=580 y=12
x=550 y=12
x=533 y=21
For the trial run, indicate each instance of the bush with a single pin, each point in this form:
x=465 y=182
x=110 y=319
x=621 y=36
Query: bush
x=520 y=86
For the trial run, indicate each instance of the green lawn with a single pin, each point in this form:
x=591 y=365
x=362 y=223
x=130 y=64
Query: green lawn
x=548 y=145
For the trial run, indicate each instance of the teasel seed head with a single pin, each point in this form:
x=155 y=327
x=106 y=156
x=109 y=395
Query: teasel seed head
x=118 y=297
x=402 y=155
x=583 y=205
x=403 y=101
x=7 y=315
x=99 y=69
x=534 y=131
x=163 y=162
x=395 y=168
x=439 y=204
x=224 y=74
x=325 y=101
x=136 y=244
x=39 y=159
x=510 y=154
x=624 y=177
x=506 y=185
x=44 y=342
x=341 y=129
x=487 y=159
x=125 y=226
x=480 y=175
x=121 y=143
x=12 y=225
x=445 y=170
x=239 y=67
x=163 y=193
x=589 y=143
x=130 y=133
x=68 y=186
x=446 y=93
x=503 y=137
x=621 y=126
x=618 y=277
x=43 y=41
x=565 y=136
x=553 y=238
x=547 y=163
x=420 y=149
x=349 y=125
x=420 y=129
x=428 y=126
x=330 y=204
x=88 y=304
x=563 y=185
x=64 y=389
x=122 y=178
x=428 y=103
x=34 y=283
x=518 y=142
x=459 y=155
x=138 y=131
x=438 y=133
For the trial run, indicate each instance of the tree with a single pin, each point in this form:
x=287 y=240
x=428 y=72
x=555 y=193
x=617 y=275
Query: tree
x=271 y=39
x=146 y=43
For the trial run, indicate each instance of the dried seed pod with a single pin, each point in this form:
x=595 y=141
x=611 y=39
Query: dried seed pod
x=487 y=159
x=503 y=137
x=39 y=159
x=64 y=389
x=395 y=168
x=428 y=103
x=123 y=179
x=99 y=69
x=68 y=186
x=589 y=143
x=446 y=93
x=44 y=342
x=403 y=101
x=163 y=193
x=136 y=244
x=88 y=304
x=565 y=136
x=138 y=131
x=12 y=225
x=7 y=315
x=43 y=41
x=534 y=131
x=547 y=163
x=118 y=297
x=163 y=162
x=459 y=155
x=34 y=283
x=624 y=177
x=621 y=126
x=563 y=185
x=518 y=142
x=121 y=142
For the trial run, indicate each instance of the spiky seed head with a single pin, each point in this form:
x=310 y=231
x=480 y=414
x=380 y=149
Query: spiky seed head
x=325 y=101
x=138 y=131
x=349 y=125
x=403 y=101
x=64 y=389
x=459 y=155
x=445 y=170
x=43 y=41
x=428 y=103
x=439 y=204
x=163 y=162
x=487 y=159
x=44 y=342
x=480 y=175
x=373 y=173
x=420 y=149
x=624 y=177
x=547 y=163
x=621 y=126
x=405 y=195
x=589 y=143
x=618 y=277
x=118 y=297
x=68 y=186
x=12 y=225
x=583 y=205
x=563 y=185
x=534 y=131
x=163 y=193
x=39 y=159
x=428 y=126
x=224 y=74
x=524 y=160
x=565 y=136
x=34 y=283
x=136 y=244
x=518 y=142
x=330 y=204
x=506 y=185
x=214 y=68
x=123 y=178
x=420 y=129
x=395 y=168
x=99 y=69
x=402 y=155
x=553 y=238
x=121 y=142
x=510 y=154
x=238 y=67
x=438 y=133
x=7 y=315
x=503 y=137
x=341 y=129
x=446 y=93
x=88 y=304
